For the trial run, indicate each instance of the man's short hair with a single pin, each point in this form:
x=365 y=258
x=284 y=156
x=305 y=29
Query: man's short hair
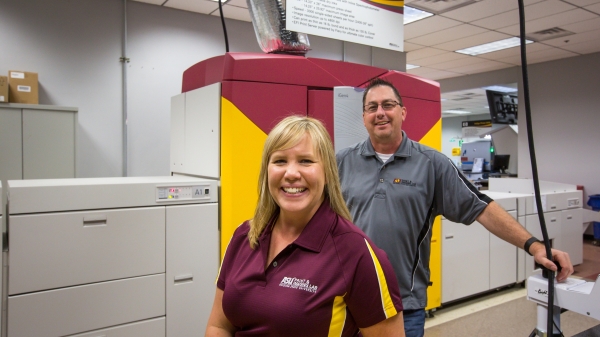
x=376 y=82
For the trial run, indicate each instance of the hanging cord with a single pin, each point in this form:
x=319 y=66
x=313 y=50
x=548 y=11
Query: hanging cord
x=224 y=27
x=534 y=170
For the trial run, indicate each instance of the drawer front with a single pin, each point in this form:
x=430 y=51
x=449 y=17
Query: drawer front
x=150 y=328
x=84 y=308
x=508 y=204
x=49 y=251
x=553 y=220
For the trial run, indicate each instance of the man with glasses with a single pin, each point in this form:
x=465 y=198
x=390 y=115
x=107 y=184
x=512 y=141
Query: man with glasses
x=395 y=187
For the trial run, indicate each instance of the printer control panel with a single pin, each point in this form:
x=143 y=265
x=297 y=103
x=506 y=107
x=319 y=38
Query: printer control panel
x=179 y=193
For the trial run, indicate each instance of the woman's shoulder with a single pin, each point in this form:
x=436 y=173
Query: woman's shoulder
x=243 y=229
x=346 y=230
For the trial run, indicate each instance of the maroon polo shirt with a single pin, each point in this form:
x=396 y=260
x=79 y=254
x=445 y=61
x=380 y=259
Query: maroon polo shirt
x=329 y=282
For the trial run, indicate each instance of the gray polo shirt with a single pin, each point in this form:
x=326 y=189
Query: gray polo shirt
x=395 y=204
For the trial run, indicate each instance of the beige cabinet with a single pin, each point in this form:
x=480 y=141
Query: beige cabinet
x=37 y=141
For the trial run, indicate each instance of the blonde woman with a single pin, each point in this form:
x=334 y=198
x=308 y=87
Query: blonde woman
x=300 y=267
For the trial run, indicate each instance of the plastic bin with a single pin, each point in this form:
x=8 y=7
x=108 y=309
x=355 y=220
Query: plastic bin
x=594 y=202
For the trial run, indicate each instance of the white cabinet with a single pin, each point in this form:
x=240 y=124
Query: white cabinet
x=117 y=256
x=192 y=264
x=465 y=260
x=570 y=239
x=196 y=132
x=561 y=205
x=473 y=259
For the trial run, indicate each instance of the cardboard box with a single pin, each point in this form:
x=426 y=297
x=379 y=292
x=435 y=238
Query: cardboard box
x=3 y=89
x=23 y=87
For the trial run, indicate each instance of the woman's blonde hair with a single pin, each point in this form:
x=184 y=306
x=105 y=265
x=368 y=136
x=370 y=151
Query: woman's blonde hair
x=287 y=134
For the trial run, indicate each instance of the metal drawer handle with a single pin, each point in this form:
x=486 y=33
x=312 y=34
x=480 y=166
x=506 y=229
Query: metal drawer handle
x=450 y=236
x=569 y=217
x=91 y=221
x=553 y=220
x=184 y=278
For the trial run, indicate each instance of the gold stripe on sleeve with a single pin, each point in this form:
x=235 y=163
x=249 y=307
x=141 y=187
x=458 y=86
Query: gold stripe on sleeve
x=386 y=298
x=338 y=317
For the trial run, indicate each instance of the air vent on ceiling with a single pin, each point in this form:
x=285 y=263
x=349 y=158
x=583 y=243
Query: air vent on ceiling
x=547 y=34
x=438 y=6
x=461 y=98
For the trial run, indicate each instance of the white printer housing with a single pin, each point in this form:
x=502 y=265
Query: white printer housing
x=111 y=256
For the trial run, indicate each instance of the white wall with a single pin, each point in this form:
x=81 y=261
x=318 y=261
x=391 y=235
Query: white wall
x=565 y=106
x=75 y=46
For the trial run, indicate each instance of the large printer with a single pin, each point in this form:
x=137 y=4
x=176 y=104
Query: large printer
x=111 y=256
x=229 y=104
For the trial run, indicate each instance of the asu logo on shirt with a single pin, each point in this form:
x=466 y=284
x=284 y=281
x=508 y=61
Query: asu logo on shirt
x=294 y=283
x=404 y=182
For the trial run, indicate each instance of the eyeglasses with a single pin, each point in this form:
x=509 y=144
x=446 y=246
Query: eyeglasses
x=385 y=105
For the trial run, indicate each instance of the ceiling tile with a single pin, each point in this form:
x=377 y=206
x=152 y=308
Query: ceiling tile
x=428 y=26
x=153 y=2
x=532 y=12
x=594 y=8
x=236 y=13
x=474 y=40
x=238 y=3
x=432 y=74
x=582 y=3
x=480 y=10
x=540 y=56
x=499 y=21
x=409 y=47
x=587 y=47
x=422 y=53
x=452 y=33
x=480 y=67
x=515 y=51
x=574 y=39
x=201 y=6
x=556 y=20
x=448 y=56
x=583 y=26
x=463 y=61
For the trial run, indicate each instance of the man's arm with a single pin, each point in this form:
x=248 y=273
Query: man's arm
x=503 y=225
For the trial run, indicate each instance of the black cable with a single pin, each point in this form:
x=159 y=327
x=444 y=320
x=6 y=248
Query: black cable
x=224 y=27
x=536 y=183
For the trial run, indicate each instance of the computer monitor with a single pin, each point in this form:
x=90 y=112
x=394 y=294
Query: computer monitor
x=503 y=107
x=500 y=163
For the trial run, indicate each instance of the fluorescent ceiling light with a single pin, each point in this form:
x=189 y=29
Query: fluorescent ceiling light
x=411 y=66
x=413 y=14
x=493 y=46
x=457 y=112
x=500 y=88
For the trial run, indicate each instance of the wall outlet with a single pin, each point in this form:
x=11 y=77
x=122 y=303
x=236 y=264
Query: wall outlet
x=573 y=202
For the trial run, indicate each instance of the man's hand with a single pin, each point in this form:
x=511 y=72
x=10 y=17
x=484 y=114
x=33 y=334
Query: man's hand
x=539 y=254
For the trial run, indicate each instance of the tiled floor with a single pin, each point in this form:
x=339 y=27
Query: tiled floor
x=589 y=269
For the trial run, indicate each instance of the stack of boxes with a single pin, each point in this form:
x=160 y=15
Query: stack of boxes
x=19 y=87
